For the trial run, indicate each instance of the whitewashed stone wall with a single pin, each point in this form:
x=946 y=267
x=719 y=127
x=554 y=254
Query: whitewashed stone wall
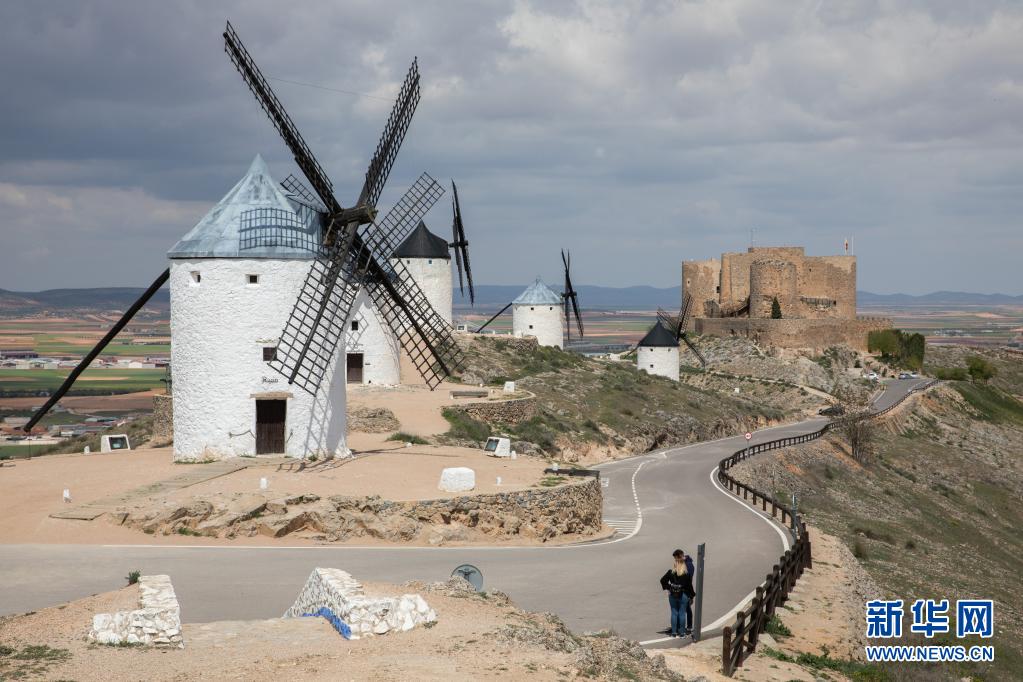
x=379 y=347
x=659 y=360
x=341 y=593
x=156 y=622
x=545 y=322
x=433 y=275
x=219 y=327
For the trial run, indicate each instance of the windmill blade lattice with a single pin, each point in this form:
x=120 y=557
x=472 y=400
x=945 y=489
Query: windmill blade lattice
x=311 y=336
x=392 y=137
x=315 y=329
x=304 y=158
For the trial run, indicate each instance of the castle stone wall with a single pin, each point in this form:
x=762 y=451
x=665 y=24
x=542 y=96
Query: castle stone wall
x=700 y=279
x=770 y=279
x=829 y=278
x=795 y=333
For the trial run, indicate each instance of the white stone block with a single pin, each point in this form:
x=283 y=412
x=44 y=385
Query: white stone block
x=457 y=479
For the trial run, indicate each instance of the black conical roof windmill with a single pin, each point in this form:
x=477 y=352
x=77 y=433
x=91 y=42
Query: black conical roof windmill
x=676 y=324
x=356 y=250
x=570 y=298
x=460 y=245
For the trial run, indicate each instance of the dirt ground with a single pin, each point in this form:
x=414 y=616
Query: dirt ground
x=32 y=489
x=462 y=645
x=824 y=612
x=417 y=408
x=392 y=471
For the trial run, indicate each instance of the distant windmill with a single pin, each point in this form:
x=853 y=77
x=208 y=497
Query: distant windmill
x=676 y=324
x=541 y=313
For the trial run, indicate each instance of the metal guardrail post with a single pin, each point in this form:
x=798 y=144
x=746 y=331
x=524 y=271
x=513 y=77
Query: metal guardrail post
x=698 y=611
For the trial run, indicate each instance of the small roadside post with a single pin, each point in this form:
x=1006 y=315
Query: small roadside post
x=698 y=611
x=795 y=508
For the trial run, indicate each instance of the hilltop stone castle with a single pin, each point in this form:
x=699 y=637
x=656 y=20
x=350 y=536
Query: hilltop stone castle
x=734 y=296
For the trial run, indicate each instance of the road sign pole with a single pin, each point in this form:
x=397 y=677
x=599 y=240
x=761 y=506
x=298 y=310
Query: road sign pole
x=698 y=611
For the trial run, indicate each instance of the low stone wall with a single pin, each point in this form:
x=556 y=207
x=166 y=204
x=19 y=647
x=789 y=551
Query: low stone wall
x=163 y=418
x=500 y=411
x=338 y=591
x=537 y=513
x=157 y=621
x=796 y=333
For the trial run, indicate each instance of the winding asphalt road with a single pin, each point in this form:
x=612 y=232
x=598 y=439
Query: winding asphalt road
x=656 y=501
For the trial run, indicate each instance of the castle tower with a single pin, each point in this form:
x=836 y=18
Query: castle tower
x=771 y=279
x=233 y=281
x=537 y=312
x=657 y=353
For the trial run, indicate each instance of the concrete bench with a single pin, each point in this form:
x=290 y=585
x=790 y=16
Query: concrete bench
x=480 y=393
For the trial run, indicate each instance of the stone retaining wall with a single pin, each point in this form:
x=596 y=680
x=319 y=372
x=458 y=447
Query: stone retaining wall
x=157 y=621
x=338 y=591
x=500 y=411
x=796 y=333
x=541 y=513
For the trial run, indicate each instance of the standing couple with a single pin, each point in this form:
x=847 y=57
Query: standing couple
x=678 y=582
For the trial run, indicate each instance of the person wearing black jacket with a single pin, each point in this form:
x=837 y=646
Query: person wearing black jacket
x=678 y=583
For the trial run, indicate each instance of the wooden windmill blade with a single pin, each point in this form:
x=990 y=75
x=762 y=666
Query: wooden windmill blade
x=315 y=327
x=96 y=350
x=266 y=97
x=392 y=137
x=460 y=245
x=669 y=321
x=692 y=347
x=570 y=295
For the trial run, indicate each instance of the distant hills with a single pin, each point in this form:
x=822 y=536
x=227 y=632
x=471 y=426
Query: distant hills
x=865 y=298
x=62 y=300
x=488 y=297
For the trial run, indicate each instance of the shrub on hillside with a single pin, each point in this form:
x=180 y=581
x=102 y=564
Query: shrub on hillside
x=898 y=348
x=979 y=368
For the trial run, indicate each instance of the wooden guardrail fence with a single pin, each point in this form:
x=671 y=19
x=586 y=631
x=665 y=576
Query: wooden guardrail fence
x=739 y=640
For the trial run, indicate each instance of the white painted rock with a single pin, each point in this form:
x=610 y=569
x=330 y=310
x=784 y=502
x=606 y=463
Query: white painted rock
x=457 y=479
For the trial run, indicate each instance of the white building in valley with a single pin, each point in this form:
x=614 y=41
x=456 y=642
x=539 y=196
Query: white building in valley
x=657 y=353
x=537 y=312
x=233 y=281
x=373 y=354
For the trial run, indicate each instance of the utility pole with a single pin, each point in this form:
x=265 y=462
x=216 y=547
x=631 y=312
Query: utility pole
x=698 y=611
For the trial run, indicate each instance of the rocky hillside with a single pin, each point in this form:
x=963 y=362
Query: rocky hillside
x=935 y=511
x=592 y=410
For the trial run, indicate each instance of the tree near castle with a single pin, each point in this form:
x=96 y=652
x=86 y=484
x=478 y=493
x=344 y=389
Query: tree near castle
x=775 y=309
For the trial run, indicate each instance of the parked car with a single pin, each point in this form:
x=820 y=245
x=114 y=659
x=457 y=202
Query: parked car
x=870 y=375
x=905 y=375
x=914 y=375
x=832 y=411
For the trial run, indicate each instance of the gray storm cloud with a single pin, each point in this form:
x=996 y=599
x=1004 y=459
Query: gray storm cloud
x=636 y=133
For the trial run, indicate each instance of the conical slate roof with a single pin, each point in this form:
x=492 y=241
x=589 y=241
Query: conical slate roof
x=218 y=234
x=538 y=293
x=422 y=243
x=659 y=337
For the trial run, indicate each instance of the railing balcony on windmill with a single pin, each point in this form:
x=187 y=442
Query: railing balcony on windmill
x=274 y=227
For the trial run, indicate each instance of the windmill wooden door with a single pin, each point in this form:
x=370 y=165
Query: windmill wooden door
x=355 y=368
x=271 y=416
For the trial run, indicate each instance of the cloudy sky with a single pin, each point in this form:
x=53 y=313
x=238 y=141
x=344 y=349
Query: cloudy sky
x=636 y=133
